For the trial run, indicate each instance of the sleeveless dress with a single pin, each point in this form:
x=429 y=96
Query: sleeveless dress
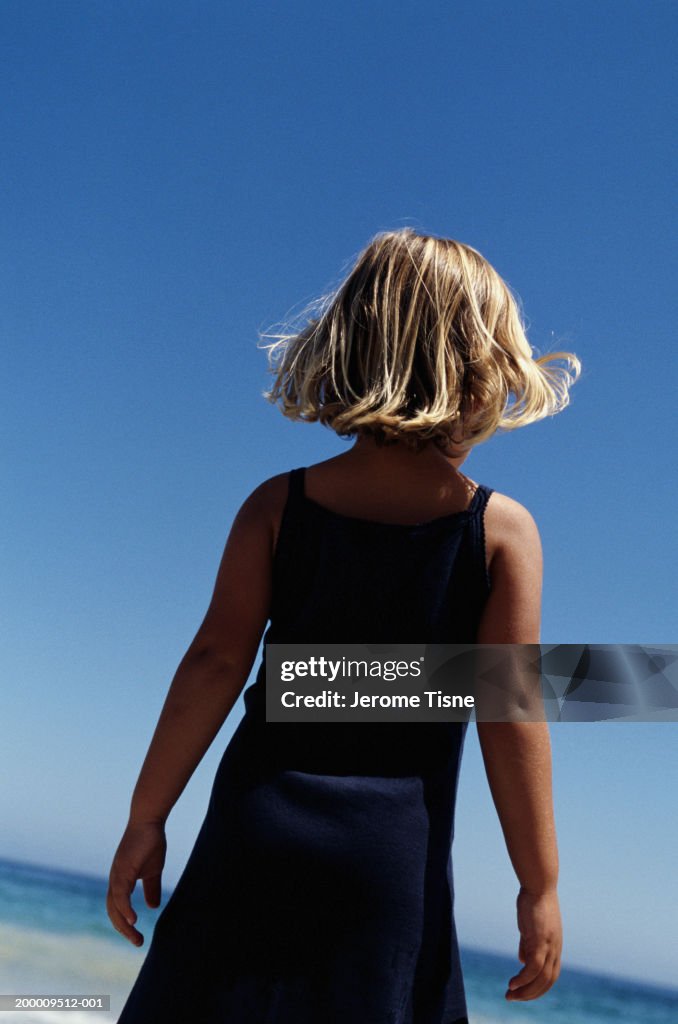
x=320 y=889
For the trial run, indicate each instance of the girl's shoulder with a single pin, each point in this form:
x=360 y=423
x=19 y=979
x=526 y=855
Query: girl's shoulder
x=267 y=501
x=509 y=525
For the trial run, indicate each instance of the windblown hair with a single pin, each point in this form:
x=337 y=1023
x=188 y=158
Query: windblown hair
x=423 y=341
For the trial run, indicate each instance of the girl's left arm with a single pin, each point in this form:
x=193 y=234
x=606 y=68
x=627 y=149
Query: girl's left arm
x=205 y=687
x=215 y=668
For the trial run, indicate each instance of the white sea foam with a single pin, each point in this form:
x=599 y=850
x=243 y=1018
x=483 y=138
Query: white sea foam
x=59 y=1016
x=39 y=962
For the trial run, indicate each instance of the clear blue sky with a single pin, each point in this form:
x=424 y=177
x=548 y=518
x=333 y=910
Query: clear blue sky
x=178 y=176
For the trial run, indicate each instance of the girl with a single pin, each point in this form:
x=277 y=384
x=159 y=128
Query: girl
x=319 y=889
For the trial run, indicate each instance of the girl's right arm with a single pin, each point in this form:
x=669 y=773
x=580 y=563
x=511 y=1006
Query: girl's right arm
x=517 y=755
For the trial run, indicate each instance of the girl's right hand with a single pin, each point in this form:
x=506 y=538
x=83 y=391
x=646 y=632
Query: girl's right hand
x=140 y=855
x=541 y=943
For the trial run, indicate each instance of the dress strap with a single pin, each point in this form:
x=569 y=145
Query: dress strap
x=288 y=529
x=480 y=499
x=477 y=528
x=296 y=483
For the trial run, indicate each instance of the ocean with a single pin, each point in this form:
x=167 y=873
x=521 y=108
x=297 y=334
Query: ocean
x=55 y=937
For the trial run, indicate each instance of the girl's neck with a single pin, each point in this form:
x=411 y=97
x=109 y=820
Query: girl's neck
x=398 y=454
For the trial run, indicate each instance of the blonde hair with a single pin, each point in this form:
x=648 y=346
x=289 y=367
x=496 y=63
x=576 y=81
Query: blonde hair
x=422 y=340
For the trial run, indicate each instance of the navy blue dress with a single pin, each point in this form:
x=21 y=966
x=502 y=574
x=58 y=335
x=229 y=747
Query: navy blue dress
x=319 y=889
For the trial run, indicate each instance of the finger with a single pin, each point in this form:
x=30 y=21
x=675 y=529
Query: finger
x=549 y=980
x=555 y=973
x=533 y=967
x=121 y=925
x=121 y=887
x=152 y=890
x=537 y=987
x=126 y=914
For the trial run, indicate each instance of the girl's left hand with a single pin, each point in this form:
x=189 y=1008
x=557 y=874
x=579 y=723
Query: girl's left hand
x=140 y=855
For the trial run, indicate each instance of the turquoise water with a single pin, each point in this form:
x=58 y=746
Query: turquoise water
x=55 y=937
